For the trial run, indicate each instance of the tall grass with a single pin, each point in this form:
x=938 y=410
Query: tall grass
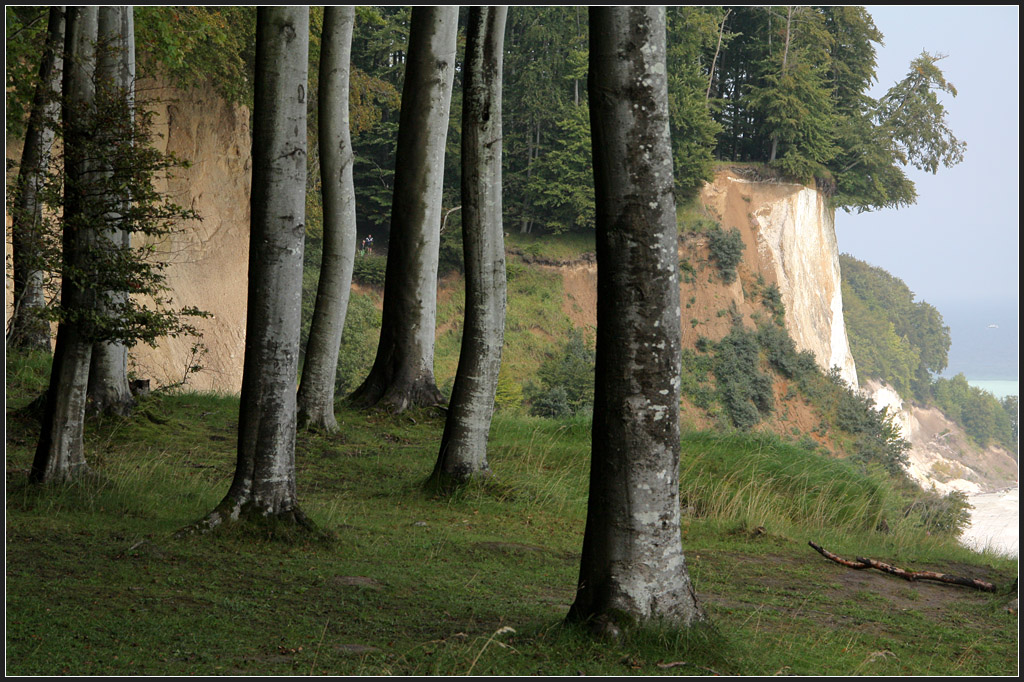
x=758 y=480
x=546 y=460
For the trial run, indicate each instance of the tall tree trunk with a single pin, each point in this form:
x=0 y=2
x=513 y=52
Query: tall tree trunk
x=632 y=568
x=532 y=152
x=264 y=482
x=60 y=454
x=28 y=328
x=316 y=391
x=109 y=391
x=785 y=61
x=463 y=453
x=403 y=371
x=718 y=48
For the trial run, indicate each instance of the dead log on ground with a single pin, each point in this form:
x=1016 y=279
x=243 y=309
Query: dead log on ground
x=863 y=562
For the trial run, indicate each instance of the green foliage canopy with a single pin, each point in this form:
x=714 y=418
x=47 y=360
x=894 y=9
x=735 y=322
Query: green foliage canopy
x=790 y=88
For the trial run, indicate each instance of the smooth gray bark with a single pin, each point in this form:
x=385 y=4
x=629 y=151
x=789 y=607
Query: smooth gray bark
x=109 y=391
x=60 y=454
x=632 y=568
x=463 y=452
x=28 y=328
x=316 y=391
x=403 y=371
x=264 y=481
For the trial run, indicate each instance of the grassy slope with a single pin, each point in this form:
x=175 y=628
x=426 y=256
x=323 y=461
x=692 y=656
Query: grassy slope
x=98 y=584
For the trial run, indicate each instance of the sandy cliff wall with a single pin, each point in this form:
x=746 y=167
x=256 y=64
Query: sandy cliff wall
x=208 y=260
x=787 y=230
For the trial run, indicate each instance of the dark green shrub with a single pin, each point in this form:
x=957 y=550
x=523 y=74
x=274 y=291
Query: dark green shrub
x=726 y=249
x=694 y=378
x=771 y=298
x=941 y=514
x=450 y=252
x=370 y=269
x=745 y=392
x=782 y=354
x=565 y=377
x=513 y=270
x=686 y=271
x=877 y=436
x=552 y=403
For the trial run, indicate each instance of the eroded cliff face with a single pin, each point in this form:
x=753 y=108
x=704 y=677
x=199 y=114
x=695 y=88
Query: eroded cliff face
x=790 y=241
x=208 y=260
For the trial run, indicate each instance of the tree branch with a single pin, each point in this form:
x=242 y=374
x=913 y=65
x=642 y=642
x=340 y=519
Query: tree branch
x=862 y=563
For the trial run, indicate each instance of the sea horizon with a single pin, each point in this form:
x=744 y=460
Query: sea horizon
x=985 y=344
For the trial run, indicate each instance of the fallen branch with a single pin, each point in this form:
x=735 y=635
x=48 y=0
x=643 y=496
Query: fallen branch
x=863 y=562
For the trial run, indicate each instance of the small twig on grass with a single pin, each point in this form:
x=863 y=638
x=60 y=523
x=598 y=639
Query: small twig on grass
x=316 y=653
x=676 y=664
x=863 y=562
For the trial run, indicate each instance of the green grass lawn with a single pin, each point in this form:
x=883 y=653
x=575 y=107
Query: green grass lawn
x=407 y=583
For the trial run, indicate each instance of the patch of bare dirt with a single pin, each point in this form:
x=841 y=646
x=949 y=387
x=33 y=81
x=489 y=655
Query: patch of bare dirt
x=357 y=581
x=579 y=287
x=781 y=584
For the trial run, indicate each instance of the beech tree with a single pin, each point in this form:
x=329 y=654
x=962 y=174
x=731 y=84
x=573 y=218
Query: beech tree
x=108 y=389
x=403 y=371
x=264 y=481
x=28 y=327
x=463 y=453
x=60 y=453
x=102 y=190
x=632 y=567
x=316 y=391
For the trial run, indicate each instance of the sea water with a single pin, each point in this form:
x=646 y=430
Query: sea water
x=985 y=344
x=1000 y=388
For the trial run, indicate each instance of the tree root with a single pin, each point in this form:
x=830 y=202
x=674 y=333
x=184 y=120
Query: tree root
x=288 y=525
x=862 y=563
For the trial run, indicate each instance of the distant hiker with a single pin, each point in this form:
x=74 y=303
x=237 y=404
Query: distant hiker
x=367 y=246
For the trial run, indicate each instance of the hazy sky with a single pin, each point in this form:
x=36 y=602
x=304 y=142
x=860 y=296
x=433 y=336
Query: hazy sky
x=960 y=241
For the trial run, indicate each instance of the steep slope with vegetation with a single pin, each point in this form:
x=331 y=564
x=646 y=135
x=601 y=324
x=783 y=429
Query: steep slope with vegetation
x=742 y=370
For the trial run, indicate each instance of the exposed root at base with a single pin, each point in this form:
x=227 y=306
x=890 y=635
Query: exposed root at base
x=288 y=525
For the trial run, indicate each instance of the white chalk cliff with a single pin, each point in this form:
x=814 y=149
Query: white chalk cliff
x=791 y=229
